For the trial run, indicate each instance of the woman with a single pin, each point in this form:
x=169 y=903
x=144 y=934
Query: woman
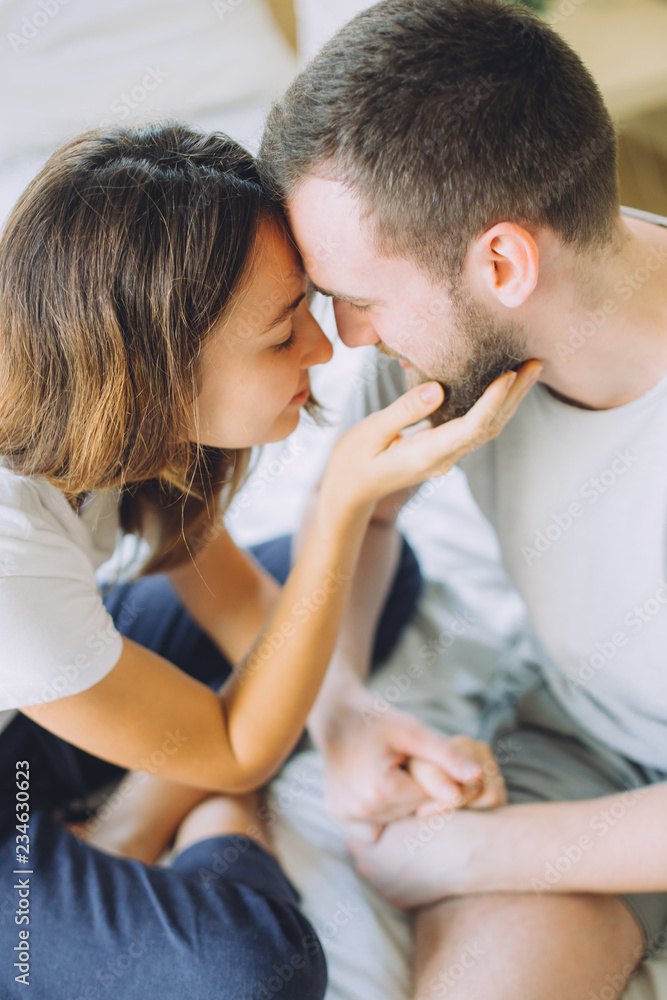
x=154 y=326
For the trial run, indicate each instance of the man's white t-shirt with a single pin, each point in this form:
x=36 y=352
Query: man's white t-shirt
x=56 y=636
x=578 y=499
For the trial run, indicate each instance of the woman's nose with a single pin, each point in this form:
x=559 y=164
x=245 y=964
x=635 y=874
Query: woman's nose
x=320 y=349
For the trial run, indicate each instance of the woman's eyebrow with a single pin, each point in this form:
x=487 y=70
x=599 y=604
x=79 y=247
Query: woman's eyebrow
x=286 y=312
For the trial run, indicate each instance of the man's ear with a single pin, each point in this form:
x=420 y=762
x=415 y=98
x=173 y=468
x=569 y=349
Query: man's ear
x=507 y=261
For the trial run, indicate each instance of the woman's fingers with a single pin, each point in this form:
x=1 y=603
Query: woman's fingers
x=412 y=406
x=494 y=408
x=445 y=793
x=376 y=458
x=526 y=377
x=435 y=782
x=494 y=791
x=484 y=420
x=435 y=451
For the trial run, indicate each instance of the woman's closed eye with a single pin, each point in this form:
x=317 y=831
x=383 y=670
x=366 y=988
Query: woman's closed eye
x=285 y=345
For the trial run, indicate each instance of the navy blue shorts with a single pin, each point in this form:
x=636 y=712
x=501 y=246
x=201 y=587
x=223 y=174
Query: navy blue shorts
x=222 y=923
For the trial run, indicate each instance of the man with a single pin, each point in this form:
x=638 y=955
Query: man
x=449 y=170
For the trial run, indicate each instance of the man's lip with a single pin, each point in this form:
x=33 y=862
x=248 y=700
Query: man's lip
x=405 y=364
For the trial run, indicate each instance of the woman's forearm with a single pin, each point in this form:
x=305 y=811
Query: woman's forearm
x=351 y=659
x=615 y=844
x=274 y=687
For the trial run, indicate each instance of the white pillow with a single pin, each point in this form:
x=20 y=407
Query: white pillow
x=69 y=65
x=318 y=20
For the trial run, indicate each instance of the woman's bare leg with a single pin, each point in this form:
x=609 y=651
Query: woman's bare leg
x=224 y=814
x=141 y=816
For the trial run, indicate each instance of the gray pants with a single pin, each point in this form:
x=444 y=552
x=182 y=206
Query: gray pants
x=546 y=757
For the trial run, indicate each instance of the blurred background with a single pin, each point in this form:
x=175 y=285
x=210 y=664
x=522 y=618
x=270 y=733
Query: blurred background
x=67 y=65
x=70 y=64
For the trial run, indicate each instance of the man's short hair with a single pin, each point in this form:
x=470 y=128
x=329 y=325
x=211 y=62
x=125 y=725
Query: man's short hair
x=446 y=117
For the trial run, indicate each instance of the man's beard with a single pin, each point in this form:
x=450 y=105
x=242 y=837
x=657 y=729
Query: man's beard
x=484 y=349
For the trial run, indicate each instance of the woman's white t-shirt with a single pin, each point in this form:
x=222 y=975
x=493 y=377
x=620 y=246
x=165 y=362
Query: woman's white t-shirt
x=57 y=638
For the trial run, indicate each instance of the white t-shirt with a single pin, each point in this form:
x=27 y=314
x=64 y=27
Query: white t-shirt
x=578 y=499
x=57 y=638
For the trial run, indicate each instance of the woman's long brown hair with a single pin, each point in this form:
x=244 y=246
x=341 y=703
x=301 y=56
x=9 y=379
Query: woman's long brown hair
x=114 y=265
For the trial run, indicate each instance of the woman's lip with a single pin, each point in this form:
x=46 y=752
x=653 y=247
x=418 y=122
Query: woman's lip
x=300 y=396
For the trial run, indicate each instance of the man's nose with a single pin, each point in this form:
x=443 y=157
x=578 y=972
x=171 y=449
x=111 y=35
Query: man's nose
x=354 y=328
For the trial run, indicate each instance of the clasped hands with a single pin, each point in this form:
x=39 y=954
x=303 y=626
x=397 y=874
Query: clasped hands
x=388 y=777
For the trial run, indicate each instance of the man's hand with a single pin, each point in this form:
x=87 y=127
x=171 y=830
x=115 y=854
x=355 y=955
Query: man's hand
x=416 y=862
x=380 y=769
x=518 y=848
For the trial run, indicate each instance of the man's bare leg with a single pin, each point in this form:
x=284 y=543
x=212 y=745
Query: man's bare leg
x=525 y=947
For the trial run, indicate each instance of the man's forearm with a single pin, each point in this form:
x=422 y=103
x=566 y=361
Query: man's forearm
x=611 y=845
x=350 y=664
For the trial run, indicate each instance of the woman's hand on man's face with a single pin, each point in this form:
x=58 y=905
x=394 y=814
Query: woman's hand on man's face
x=375 y=457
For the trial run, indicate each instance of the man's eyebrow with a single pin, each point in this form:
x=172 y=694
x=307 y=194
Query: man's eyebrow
x=286 y=313
x=339 y=295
